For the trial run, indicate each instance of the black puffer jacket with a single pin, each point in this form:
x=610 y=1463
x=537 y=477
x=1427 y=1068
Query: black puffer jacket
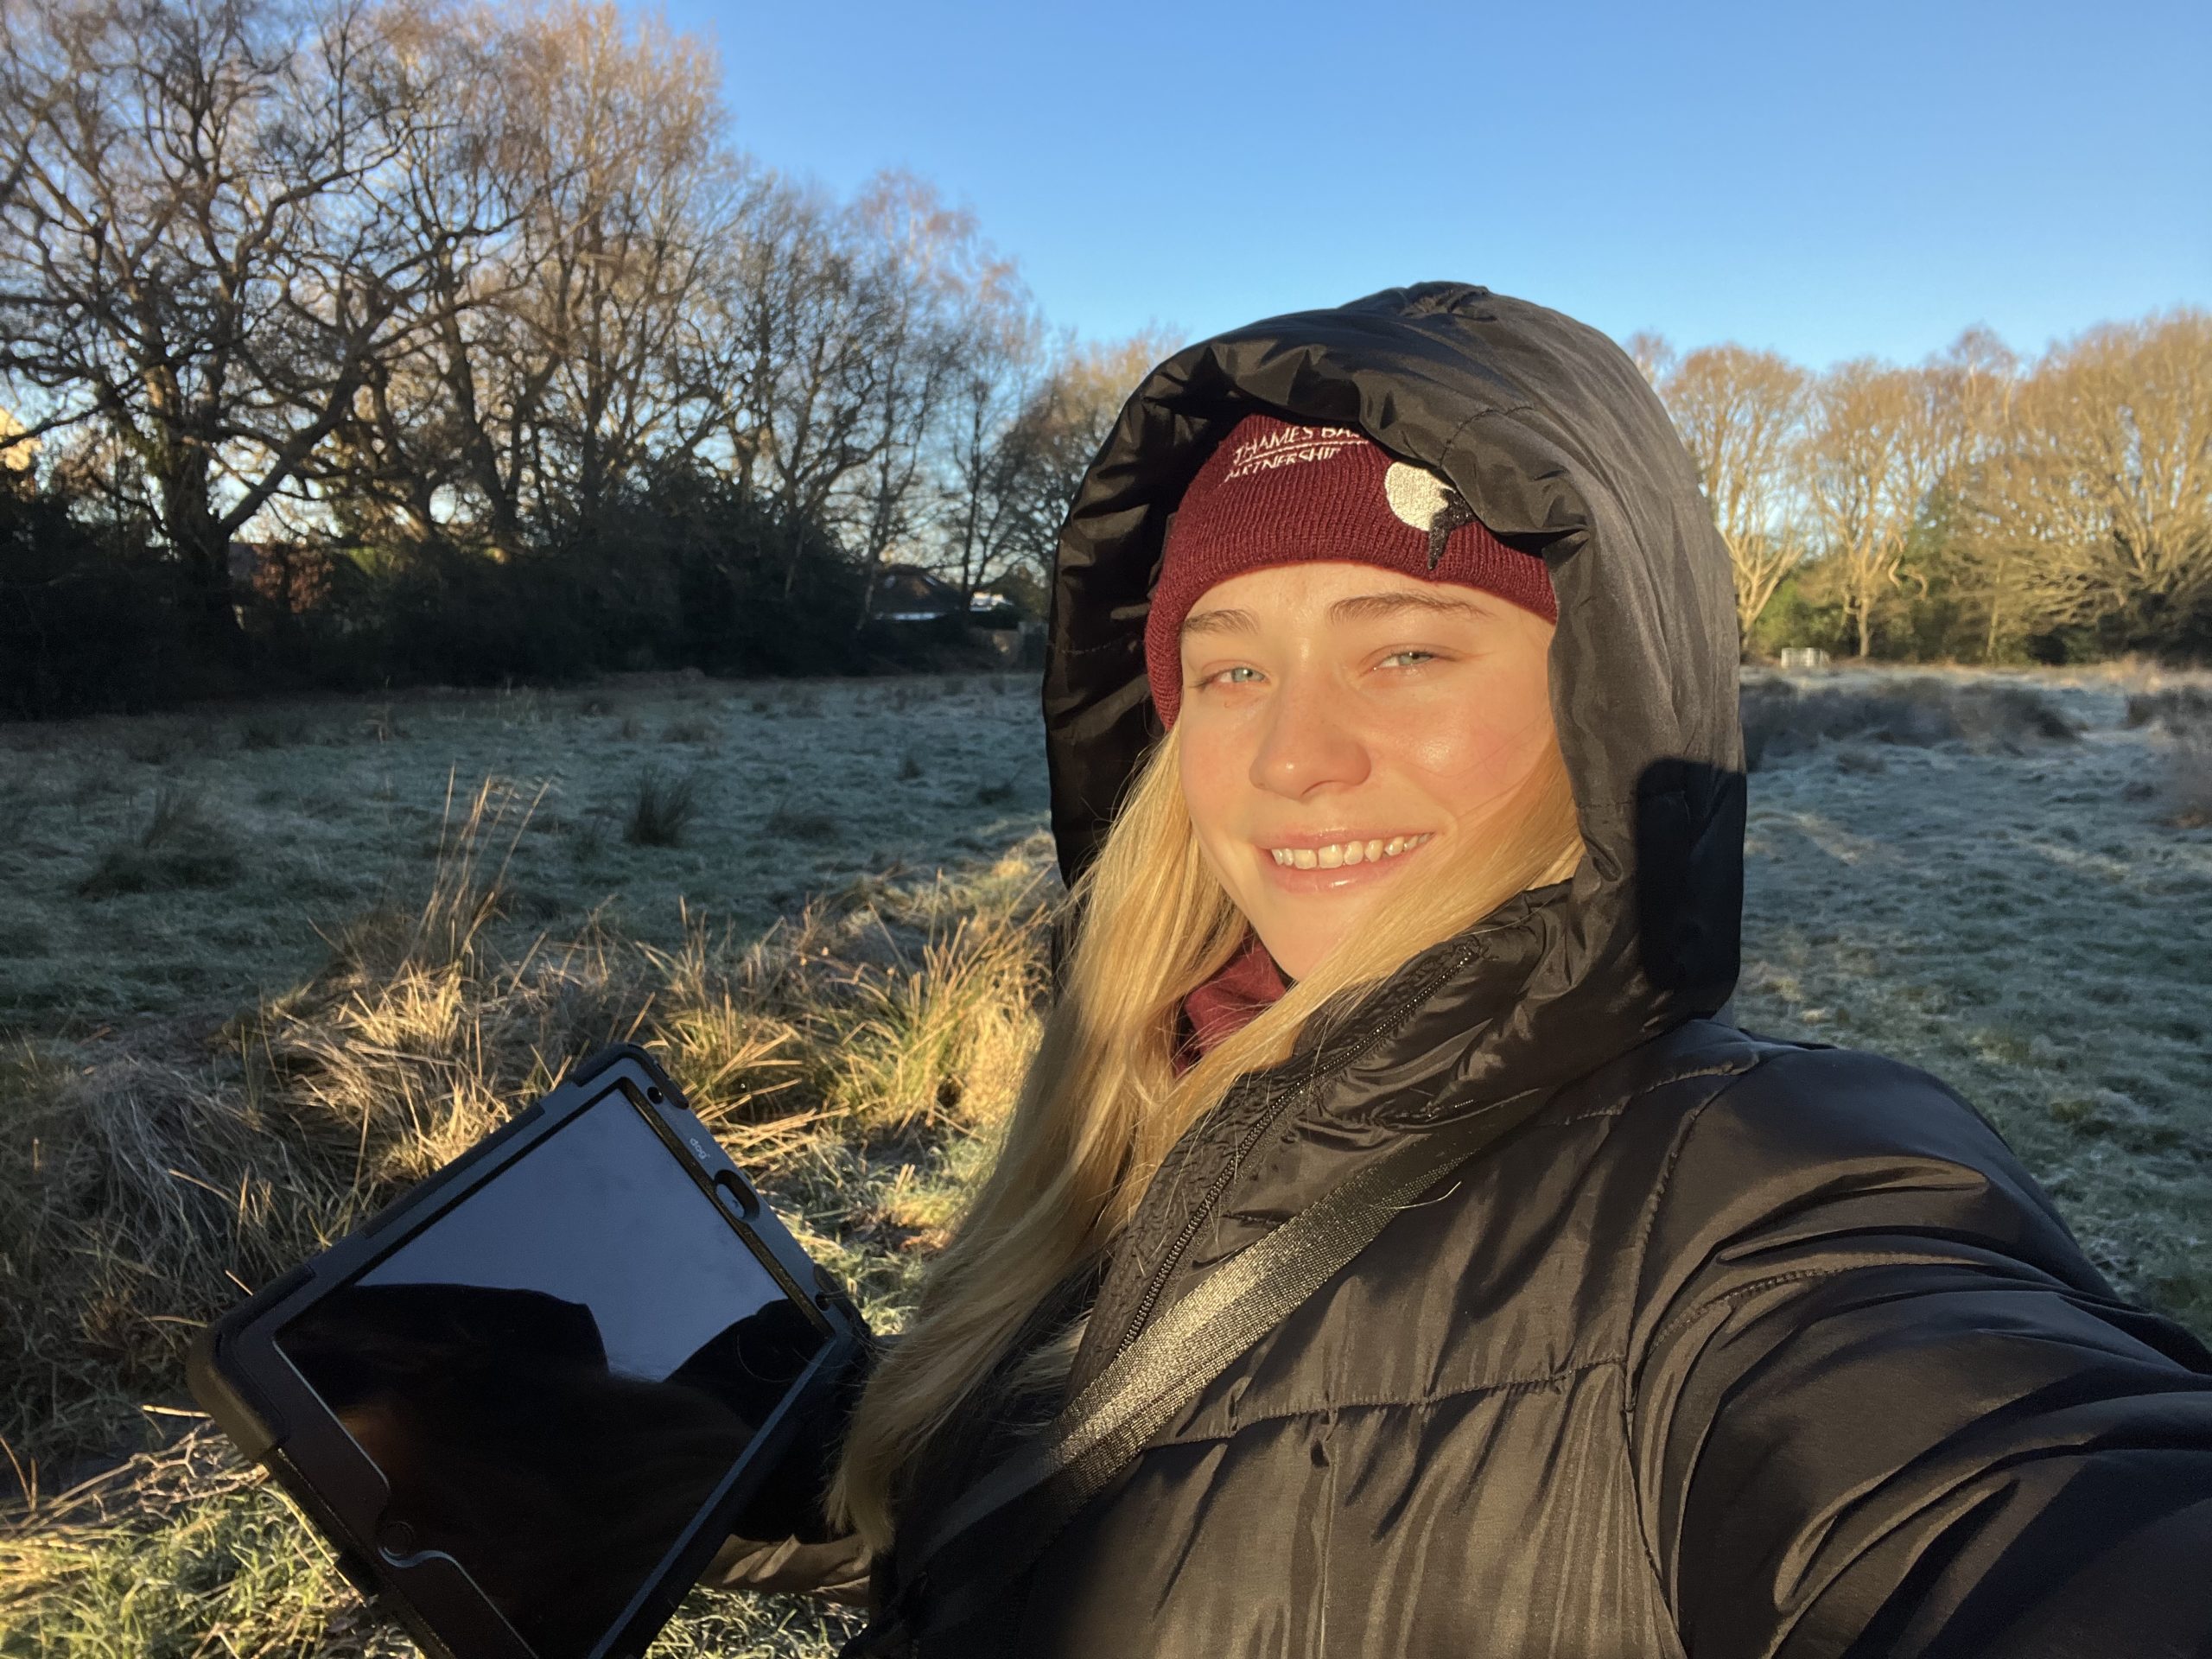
x=1732 y=1346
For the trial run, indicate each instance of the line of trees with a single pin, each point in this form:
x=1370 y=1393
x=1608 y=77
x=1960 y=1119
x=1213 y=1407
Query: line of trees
x=1974 y=507
x=339 y=323
x=356 y=340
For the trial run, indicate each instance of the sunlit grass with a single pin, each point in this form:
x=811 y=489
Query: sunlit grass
x=855 y=1059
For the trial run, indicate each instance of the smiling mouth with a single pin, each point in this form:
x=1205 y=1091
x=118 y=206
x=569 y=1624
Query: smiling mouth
x=1337 y=854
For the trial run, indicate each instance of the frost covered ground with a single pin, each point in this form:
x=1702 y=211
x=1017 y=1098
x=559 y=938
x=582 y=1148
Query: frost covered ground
x=2029 y=926
x=308 y=813
x=190 y=917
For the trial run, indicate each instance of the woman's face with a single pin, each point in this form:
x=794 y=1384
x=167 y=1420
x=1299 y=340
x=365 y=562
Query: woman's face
x=1341 y=722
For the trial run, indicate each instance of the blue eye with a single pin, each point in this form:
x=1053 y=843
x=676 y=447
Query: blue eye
x=1228 y=676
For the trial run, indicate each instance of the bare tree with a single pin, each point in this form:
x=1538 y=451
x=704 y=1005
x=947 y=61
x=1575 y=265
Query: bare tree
x=1654 y=357
x=1960 y=400
x=2096 y=510
x=940 y=306
x=796 y=302
x=637 y=193
x=191 y=252
x=981 y=520
x=1041 y=454
x=1864 y=477
x=568 y=217
x=1739 y=413
x=842 y=328
x=1966 y=392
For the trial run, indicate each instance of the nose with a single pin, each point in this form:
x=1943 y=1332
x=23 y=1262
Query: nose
x=1304 y=748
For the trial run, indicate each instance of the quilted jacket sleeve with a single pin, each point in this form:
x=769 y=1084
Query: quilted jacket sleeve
x=1881 y=1404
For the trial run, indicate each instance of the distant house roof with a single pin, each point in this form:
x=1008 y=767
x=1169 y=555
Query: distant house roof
x=906 y=593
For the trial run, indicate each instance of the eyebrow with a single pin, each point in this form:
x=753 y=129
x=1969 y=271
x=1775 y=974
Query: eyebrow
x=1219 y=622
x=1361 y=607
x=1364 y=607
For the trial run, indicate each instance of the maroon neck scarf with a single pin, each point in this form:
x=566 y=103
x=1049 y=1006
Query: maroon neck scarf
x=1248 y=982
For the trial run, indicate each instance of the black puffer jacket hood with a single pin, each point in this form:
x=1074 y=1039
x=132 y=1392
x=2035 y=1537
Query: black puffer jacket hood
x=1561 y=449
x=1726 y=1346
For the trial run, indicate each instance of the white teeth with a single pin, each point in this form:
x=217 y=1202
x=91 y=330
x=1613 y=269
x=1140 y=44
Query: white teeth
x=1348 y=852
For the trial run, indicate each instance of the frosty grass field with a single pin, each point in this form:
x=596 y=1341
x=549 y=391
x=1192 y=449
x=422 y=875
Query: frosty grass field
x=292 y=955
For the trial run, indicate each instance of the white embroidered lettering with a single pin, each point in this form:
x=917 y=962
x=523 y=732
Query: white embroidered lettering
x=1289 y=448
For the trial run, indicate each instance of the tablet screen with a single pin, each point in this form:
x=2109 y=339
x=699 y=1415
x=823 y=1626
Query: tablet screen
x=554 y=1375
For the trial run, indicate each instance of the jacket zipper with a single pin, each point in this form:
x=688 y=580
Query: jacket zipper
x=1197 y=1218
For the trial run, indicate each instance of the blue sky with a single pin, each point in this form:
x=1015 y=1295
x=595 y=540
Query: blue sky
x=1822 y=180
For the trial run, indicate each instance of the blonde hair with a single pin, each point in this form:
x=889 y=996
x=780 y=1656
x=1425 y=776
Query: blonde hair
x=1101 y=1103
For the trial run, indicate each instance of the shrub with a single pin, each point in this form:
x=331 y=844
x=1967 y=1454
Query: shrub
x=1781 y=718
x=95 y=620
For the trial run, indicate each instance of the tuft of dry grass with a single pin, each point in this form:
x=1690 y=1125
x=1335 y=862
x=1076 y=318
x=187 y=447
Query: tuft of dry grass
x=181 y=845
x=662 y=808
x=795 y=825
x=465 y=891
x=888 y=1009
x=2177 y=708
x=696 y=729
x=2184 y=794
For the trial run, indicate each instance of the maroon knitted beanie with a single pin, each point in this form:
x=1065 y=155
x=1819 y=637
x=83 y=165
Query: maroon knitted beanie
x=1274 y=493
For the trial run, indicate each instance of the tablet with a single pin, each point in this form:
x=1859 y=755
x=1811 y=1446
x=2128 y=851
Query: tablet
x=525 y=1403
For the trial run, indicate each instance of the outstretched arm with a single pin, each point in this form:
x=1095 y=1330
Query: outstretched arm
x=1881 y=1404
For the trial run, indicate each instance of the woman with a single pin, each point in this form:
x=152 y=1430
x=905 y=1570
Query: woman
x=1396 y=770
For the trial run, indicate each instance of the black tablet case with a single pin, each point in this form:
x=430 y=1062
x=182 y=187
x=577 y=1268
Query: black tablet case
x=260 y=1400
